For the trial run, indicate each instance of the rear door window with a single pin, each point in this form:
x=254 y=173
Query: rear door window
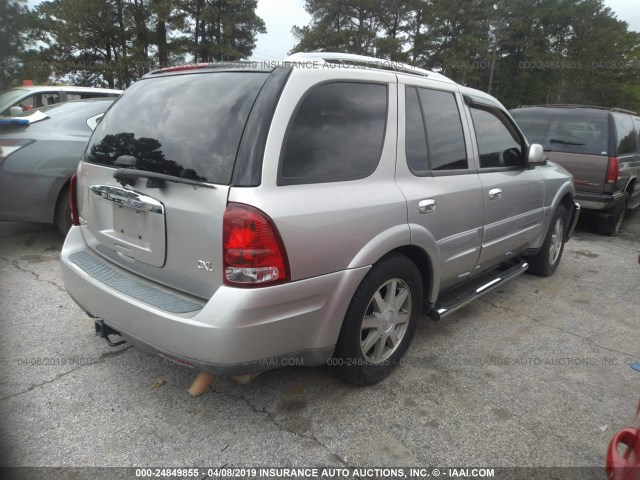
x=445 y=139
x=625 y=134
x=336 y=134
x=415 y=145
x=187 y=126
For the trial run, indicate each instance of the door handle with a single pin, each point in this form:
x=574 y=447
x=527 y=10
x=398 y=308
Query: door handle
x=427 y=206
x=495 y=193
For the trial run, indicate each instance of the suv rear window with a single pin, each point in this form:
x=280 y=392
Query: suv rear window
x=187 y=126
x=336 y=134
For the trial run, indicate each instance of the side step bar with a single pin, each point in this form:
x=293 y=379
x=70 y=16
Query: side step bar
x=459 y=299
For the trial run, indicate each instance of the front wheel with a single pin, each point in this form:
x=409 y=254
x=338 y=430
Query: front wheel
x=546 y=261
x=380 y=321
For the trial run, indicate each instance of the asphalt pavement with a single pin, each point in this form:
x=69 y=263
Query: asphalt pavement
x=535 y=373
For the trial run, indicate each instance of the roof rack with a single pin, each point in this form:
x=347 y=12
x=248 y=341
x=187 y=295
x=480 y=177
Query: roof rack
x=571 y=105
x=231 y=64
x=364 y=61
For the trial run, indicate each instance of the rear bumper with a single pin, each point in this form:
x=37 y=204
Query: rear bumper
x=598 y=201
x=237 y=331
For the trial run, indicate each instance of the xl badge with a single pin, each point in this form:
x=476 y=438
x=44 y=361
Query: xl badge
x=202 y=265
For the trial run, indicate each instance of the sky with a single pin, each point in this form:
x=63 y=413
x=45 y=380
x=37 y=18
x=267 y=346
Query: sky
x=280 y=15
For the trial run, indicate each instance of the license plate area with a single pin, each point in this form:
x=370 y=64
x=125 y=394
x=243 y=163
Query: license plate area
x=131 y=226
x=130 y=223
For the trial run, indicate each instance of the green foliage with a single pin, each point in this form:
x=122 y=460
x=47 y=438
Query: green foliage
x=11 y=40
x=522 y=51
x=113 y=42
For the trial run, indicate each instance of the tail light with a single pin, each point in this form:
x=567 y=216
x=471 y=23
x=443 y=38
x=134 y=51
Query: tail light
x=73 y=199
x=612 y=171
x=253 y=252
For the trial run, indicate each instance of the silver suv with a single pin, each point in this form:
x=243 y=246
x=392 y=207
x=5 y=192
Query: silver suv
x=237 y=218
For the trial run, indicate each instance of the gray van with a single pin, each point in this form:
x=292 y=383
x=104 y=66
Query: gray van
x=599 y=146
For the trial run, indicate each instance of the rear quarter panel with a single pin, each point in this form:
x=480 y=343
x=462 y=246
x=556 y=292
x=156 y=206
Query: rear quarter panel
x=328 y=227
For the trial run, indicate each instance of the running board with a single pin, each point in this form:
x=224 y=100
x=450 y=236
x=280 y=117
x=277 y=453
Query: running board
x=460 y=297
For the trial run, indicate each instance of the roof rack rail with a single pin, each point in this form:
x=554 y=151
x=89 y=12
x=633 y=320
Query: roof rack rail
x=571 y=105
x=364 y=61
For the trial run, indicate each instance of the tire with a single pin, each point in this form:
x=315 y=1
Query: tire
x=386 y=305
x=611 y=226
x=546 y=261
x=62 y=217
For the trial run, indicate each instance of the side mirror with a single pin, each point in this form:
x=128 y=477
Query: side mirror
x=536 y=155
x=13 y=111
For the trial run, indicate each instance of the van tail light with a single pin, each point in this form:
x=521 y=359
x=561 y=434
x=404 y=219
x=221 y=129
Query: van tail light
x=73 y=199
x=253 y=252
x=612 y=171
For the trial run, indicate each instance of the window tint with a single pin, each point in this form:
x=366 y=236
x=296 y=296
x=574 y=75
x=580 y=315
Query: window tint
x=415 y=140
x=533 y=122
x=578 y=131
x=498 y=142
x=187 y=126
x=625 y=134
x=336 y=134
x=445 y=139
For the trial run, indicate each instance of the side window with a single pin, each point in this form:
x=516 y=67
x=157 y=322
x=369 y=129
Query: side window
x=636 y=120
x=336 y=134
x=50 y=98
x=499 y=144
x=625 y=134
x=415 y=144
x=92 y=95
x=26 y=104
x=73 y=96
x=445 y=139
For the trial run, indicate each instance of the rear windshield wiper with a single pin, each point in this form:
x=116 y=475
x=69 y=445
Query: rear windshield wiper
x=128 y=176
x=564 y=142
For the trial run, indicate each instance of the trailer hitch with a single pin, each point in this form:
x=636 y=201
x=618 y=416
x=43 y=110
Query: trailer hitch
x=103 y=331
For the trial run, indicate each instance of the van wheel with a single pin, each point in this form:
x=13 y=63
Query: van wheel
x=611 y=226
x=62 y=217
x=545 y=262
x=380 y=321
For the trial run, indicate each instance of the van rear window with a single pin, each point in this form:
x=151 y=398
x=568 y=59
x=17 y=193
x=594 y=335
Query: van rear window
x=578 y=131
x=187 y=126
x=571 y=130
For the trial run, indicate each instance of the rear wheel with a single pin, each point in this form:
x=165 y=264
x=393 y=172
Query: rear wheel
x=62 y=217
x=611 y=226
x=380 y=321
x=546 y=261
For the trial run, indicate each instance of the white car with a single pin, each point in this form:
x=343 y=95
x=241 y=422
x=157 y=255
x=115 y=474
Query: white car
x=22 y=99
